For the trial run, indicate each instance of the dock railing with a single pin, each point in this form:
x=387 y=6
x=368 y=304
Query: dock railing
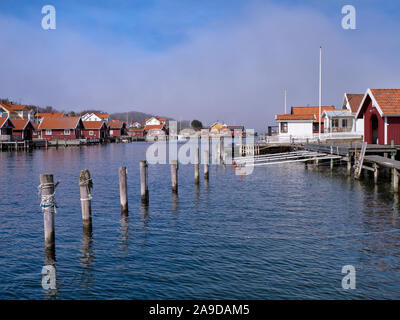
x=289 y=139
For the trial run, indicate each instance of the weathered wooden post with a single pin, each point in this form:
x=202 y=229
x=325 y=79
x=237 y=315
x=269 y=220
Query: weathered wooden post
x=331 y=163
x=174 y=175
x=85 y=187
x=48 y=204
x=349 y=158
x=396 y=180
x=123 y=189
x=144 y=190
x=206 y=161
x=376 y=173
x=196 y=166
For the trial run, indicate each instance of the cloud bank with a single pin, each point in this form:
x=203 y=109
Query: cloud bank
x=233 y=70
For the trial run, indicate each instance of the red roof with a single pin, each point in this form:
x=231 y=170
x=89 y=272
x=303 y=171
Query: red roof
x=49 y=114
x=116 y=124
x=93 y=125
x=154 y=126
x=103 y=115
x=295 y=117
x=388 y=100
x=304 y=113
x=20 y=124
x=59 y=123
x=3 y=120
x=354 y=100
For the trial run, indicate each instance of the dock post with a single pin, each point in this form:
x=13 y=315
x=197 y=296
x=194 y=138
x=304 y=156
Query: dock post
x=85 y=186
x=331 y=164
x=395 y=180
x=123 y=189
x=144 y=190
x=206 y=161
x=174 y=175
x=196 y=166
x=48 y=204
x=349 y=158
x=376 y=173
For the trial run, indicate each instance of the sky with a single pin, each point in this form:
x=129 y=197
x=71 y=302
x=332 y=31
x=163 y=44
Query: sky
x=227 y=60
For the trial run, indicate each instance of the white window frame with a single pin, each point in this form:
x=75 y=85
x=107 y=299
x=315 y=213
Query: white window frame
x=111 y=132
x=48 y=132
x=91 y=133
x=67 y=132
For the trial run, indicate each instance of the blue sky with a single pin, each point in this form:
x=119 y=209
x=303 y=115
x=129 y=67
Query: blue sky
x=211 y=59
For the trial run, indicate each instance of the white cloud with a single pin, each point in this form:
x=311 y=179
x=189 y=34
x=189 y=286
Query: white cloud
x=230 y=70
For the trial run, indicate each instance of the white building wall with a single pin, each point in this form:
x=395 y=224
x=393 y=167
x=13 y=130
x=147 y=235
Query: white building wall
x=360 y=126
x=298 y=129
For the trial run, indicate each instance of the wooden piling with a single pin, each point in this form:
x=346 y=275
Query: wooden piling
x=331 y=164
x=206 y=161
x=349 y=158
x=174 y=175
x=144 y=190
x=123 y=189
x=49 y=209
x=375 y=173
x=196 y=166
x=85 y=187
x=396 y=180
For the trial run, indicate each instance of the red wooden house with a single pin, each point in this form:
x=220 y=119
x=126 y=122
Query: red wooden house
x=117 y=128
x=94 y=129
x=380 y=109
x=61 y=128
x=6 y=127
x=23 y=129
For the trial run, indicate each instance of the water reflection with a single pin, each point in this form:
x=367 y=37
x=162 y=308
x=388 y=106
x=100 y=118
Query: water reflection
x=124 y=233
x=175 y=202
x=87 y=255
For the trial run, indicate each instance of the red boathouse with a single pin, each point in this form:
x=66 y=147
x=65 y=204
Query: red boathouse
x=380 y=109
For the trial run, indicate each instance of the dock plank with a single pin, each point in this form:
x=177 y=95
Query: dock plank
x=382 y=161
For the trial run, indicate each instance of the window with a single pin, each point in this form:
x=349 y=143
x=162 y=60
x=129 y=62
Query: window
x=344 y=123
x=111 y=132
x=315 y=127
x=48 y=132
x=284 y=127
x=335 y=123
x=91 y=133
x=67 y=132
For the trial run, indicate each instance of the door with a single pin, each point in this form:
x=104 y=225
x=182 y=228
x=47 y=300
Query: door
x=374 y=129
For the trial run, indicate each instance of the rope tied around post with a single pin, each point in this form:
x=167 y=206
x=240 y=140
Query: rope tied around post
x=86 y=181
x=48 y=201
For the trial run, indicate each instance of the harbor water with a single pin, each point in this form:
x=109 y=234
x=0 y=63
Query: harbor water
x=283 y=232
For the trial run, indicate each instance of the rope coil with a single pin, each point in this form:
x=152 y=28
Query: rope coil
x=47 y=201
x=86 y=181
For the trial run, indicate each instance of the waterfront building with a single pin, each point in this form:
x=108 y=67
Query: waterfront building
x=380 y=110
x=301 y=122
x=41 y=115
x=23 y=129
x=117 y=128
x=96 y=116
x=95 y=130
x=6 y=127
x=61 y=128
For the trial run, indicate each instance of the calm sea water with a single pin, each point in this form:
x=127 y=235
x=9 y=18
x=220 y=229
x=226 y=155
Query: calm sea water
x=282 y=232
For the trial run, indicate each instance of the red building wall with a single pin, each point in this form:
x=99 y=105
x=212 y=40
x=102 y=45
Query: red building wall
x=393 y=130
x=28 y=133
x=370 y=110
x=115 y=132
x=59 y=134
x=96 y=134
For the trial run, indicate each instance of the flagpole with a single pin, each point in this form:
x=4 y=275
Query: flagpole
x=320 y=77
x=285 y=101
